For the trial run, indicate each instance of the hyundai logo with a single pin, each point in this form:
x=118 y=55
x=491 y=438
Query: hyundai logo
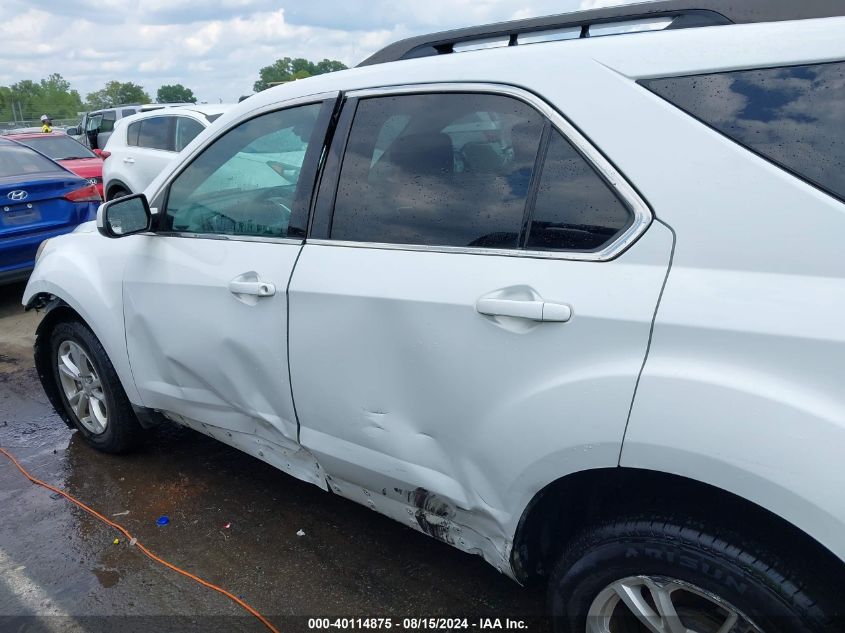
x=17 y=195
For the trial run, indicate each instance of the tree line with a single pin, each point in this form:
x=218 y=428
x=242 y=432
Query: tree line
x=27 y=100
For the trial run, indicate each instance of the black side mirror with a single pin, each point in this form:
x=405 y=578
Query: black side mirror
x=73 y=131
x=124 y=216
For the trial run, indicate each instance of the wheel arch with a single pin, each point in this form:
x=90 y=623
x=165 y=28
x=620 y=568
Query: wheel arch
x=55 y=311
x=114 y=184
x=558 y=512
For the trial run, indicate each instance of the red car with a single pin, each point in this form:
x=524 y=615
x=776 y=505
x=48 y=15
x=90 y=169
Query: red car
x=69 y=153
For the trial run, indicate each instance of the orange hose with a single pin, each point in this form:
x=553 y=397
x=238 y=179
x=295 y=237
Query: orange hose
x=138 y=544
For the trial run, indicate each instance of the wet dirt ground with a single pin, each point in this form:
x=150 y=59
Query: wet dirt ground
x=61 y=571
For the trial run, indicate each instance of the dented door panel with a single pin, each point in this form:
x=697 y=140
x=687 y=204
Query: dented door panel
x=414 y=401
x=203 y=352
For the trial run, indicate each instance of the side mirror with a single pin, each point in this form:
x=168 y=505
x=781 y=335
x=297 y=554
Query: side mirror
x=73 y=131
x=124 y=216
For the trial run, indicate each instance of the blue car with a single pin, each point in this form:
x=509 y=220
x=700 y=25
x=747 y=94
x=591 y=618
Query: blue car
x=39 y=199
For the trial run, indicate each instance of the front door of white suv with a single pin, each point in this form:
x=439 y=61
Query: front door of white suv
x=205 y=298
x=466 y=323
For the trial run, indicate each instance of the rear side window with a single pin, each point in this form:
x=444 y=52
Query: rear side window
x=132 y=133
x=792 y=116
x=437 y=169
x=128 y=112
x=575 y=210
x=156 y=133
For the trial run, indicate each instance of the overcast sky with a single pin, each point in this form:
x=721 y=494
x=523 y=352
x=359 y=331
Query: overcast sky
x=216 y=47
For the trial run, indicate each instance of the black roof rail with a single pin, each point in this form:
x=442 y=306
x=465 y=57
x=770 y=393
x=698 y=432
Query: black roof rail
x=686 y=14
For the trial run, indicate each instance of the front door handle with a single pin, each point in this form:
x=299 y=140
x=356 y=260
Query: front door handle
x=256 y=288
x=128 y=160
x=532 y=310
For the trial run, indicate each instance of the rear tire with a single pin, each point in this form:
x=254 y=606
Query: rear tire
x=705 y=574
x=90 y=390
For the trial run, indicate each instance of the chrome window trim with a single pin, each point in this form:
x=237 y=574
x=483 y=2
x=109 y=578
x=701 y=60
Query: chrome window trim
x=231 y=238
x=465 y=250
x=627 y=194
x=189 y=159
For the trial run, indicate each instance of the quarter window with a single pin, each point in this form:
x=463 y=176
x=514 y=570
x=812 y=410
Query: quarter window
x=156 y=133
x=186 y=131
x=437 y=169
x=792 y=116
x=132 y=133
x=246 y=182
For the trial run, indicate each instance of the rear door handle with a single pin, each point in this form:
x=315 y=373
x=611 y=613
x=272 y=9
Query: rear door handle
x=128 y=160
x=256 y=288
x=532 y=310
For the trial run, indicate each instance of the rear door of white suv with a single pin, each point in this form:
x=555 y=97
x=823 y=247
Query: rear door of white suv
x=205 y=295
x=470 y=312
x=151 y=143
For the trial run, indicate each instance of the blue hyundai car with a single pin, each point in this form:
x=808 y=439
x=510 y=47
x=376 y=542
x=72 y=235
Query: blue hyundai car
x=39 y=199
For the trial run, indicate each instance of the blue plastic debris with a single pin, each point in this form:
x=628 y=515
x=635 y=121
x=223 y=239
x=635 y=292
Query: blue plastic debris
x=163 y=520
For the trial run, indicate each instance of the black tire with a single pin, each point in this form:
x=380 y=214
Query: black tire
x=777 y=596
x=122 y=432
x=116 y=192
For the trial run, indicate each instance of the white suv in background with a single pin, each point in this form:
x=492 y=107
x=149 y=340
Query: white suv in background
x=143 y=144
x=567 y=293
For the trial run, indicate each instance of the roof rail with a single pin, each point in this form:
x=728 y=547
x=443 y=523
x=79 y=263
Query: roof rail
x=684 y=14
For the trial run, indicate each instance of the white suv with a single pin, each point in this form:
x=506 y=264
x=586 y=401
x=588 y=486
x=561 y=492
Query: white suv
x=569 y=301
x=142 y=145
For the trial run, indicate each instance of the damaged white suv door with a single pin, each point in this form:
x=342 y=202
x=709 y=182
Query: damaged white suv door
x=461 y=316
x=230 y=227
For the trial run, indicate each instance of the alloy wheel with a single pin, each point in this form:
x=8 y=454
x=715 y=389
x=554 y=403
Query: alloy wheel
x=646 y=604
x=82 y=387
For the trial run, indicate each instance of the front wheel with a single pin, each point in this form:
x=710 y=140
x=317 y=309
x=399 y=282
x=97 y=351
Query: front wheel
x=90 y=390
x=672 y=575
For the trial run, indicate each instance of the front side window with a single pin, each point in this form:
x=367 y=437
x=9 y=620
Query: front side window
x=155 y=133
x=94 y=122
x=792 y=115
x=437 y=169
x=186 y=131
x=245 y=183
x=107 y=124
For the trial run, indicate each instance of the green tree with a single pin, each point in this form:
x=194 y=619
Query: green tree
x=116 y=93
x=57 y=99
x=30 y=99
x=177 y=93
x=26 y=95
x=287 y=69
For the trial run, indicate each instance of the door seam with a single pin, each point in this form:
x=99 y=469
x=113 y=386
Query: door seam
x=287 y=343
x=650 y=337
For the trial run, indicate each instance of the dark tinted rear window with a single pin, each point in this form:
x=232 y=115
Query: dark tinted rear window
x=437 y=169
x=156 y=133
x=58 y=147
x=794 y=116
x=17 y=160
